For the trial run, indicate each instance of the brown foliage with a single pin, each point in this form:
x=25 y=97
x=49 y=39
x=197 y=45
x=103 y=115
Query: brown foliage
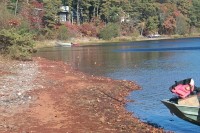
x=169 y=24
x=127 y=29
x=88 y=29
x=33 y=13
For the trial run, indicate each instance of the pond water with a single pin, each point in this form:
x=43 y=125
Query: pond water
x=154 y=65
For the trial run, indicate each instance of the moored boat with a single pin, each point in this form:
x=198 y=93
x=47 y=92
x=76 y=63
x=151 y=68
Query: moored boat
x=65 y=44
x=187 y=109
x=186 y=105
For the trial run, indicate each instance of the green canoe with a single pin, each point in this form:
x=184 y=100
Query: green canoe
x=186 y=109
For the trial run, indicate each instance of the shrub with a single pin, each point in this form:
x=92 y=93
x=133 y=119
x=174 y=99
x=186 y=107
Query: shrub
x=110 y=31
x=73 y=29
x=181 y=25
x=88 y=29
x=5 y=17
x=49 y=33
x=127 y=29
x=17 y=44
x=62 y=33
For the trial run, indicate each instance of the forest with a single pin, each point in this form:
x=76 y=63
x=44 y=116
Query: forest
x=104 y=19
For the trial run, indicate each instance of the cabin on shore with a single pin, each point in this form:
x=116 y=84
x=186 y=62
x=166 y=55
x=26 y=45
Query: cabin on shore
x=64 y=14
x=67 y=15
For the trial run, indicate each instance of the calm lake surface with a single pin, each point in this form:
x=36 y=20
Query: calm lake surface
x=154 y=65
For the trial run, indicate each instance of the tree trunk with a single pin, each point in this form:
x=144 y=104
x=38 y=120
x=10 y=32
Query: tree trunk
x=16 y=6
x=72 y=17
x=98 y=9
x=77 y=13
x=141 y=33
x=94 y=11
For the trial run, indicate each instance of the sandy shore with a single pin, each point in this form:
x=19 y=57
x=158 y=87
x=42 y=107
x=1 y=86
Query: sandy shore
x=43 y=96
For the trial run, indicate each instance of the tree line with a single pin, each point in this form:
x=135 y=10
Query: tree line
x=147 y=16
x=106 y=19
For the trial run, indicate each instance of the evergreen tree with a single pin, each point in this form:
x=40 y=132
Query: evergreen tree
x=194 y=14
x=51 y=8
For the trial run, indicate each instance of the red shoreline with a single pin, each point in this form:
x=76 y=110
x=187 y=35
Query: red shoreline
x=71 y=101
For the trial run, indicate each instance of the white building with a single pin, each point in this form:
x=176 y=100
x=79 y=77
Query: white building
x=64 y=13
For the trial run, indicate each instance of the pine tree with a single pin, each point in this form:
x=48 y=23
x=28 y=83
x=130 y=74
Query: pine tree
x=51 y=8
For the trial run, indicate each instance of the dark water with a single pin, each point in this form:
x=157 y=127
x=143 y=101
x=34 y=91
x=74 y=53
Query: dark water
x=154 y=65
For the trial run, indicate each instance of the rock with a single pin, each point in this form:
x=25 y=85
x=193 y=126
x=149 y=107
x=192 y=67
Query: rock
x=19 y=93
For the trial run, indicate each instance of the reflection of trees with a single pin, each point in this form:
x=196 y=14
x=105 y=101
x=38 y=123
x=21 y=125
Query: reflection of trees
x=101 y=59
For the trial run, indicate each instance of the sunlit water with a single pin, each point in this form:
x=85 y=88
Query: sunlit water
x=154 y=65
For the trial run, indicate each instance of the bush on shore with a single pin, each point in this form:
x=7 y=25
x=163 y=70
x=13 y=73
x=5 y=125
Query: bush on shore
x=16 y=43
x=111 y=30
x=62 y=33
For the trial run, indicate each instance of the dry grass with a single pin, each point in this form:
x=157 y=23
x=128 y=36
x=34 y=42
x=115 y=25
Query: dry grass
x=45 y=43
x=92 y=40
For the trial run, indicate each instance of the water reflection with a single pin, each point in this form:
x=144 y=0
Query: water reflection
x=157 y=49
x=100 y=60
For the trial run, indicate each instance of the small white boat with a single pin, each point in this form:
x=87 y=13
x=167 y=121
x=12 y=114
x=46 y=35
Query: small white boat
x=64 y=44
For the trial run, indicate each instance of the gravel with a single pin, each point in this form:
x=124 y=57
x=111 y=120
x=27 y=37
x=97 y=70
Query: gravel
x=18 y=79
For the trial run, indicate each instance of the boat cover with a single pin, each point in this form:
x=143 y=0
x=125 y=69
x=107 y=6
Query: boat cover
x=183 y=88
